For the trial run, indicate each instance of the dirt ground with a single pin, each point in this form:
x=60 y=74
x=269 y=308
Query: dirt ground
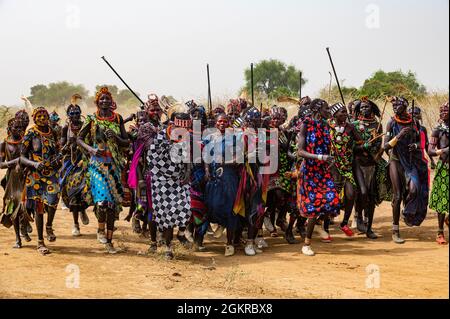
x=342 y=269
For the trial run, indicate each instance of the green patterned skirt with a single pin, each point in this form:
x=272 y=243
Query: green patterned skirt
x=439 y=193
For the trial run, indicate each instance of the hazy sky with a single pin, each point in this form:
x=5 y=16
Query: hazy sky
x=163 y=46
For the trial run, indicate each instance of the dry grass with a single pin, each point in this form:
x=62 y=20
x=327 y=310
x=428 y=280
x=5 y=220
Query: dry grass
x=430 y=107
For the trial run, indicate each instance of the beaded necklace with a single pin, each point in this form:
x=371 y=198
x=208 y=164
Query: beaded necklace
x=112 y=118
x=12 y=142
x=407 y=121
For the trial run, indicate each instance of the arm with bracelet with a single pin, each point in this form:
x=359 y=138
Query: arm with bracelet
x=302 y=148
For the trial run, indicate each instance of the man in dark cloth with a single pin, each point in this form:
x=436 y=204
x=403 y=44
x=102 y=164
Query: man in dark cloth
x=199 y=221
x=408 y=169
x=370 y=169
x=439 y=194
x=423 y=134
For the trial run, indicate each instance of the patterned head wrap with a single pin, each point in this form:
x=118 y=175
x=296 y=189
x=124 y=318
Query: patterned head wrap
x=54 y=117
x=336 y=108
x=183 y=120
x=304 y=111
x=276 y=111
x=252 y=115
x=396 y=100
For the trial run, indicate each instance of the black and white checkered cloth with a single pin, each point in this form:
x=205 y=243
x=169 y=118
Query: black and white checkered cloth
x=170 y=199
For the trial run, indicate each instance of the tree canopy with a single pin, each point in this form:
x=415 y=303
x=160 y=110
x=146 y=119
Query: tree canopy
x=395 y=83
x=55 y=94
x=274 y=78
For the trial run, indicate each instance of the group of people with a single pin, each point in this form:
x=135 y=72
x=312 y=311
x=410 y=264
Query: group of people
x=329 y=159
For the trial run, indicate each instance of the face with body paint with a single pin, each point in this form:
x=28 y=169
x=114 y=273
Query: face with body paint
x=154 y=112
x=41 y=119
x=104 y=102
x=74 y=114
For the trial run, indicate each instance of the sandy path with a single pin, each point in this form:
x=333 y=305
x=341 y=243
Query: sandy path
x=417 y=269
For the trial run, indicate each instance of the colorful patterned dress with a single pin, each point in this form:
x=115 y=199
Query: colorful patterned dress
x=439 y=193
x=342 y=144
x=252 y=191
x=42 y=187
x=73 y=176
x=317 y=193
x=104 y=172
x=279 y=180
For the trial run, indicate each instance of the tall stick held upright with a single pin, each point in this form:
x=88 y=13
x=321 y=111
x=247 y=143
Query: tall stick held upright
x=300 y=87
x=209 y=91
x=335 y=75
x=251 y=75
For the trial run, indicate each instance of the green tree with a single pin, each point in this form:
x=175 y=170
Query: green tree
x=273 y=78
x=56 y=94
x=396 y=83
